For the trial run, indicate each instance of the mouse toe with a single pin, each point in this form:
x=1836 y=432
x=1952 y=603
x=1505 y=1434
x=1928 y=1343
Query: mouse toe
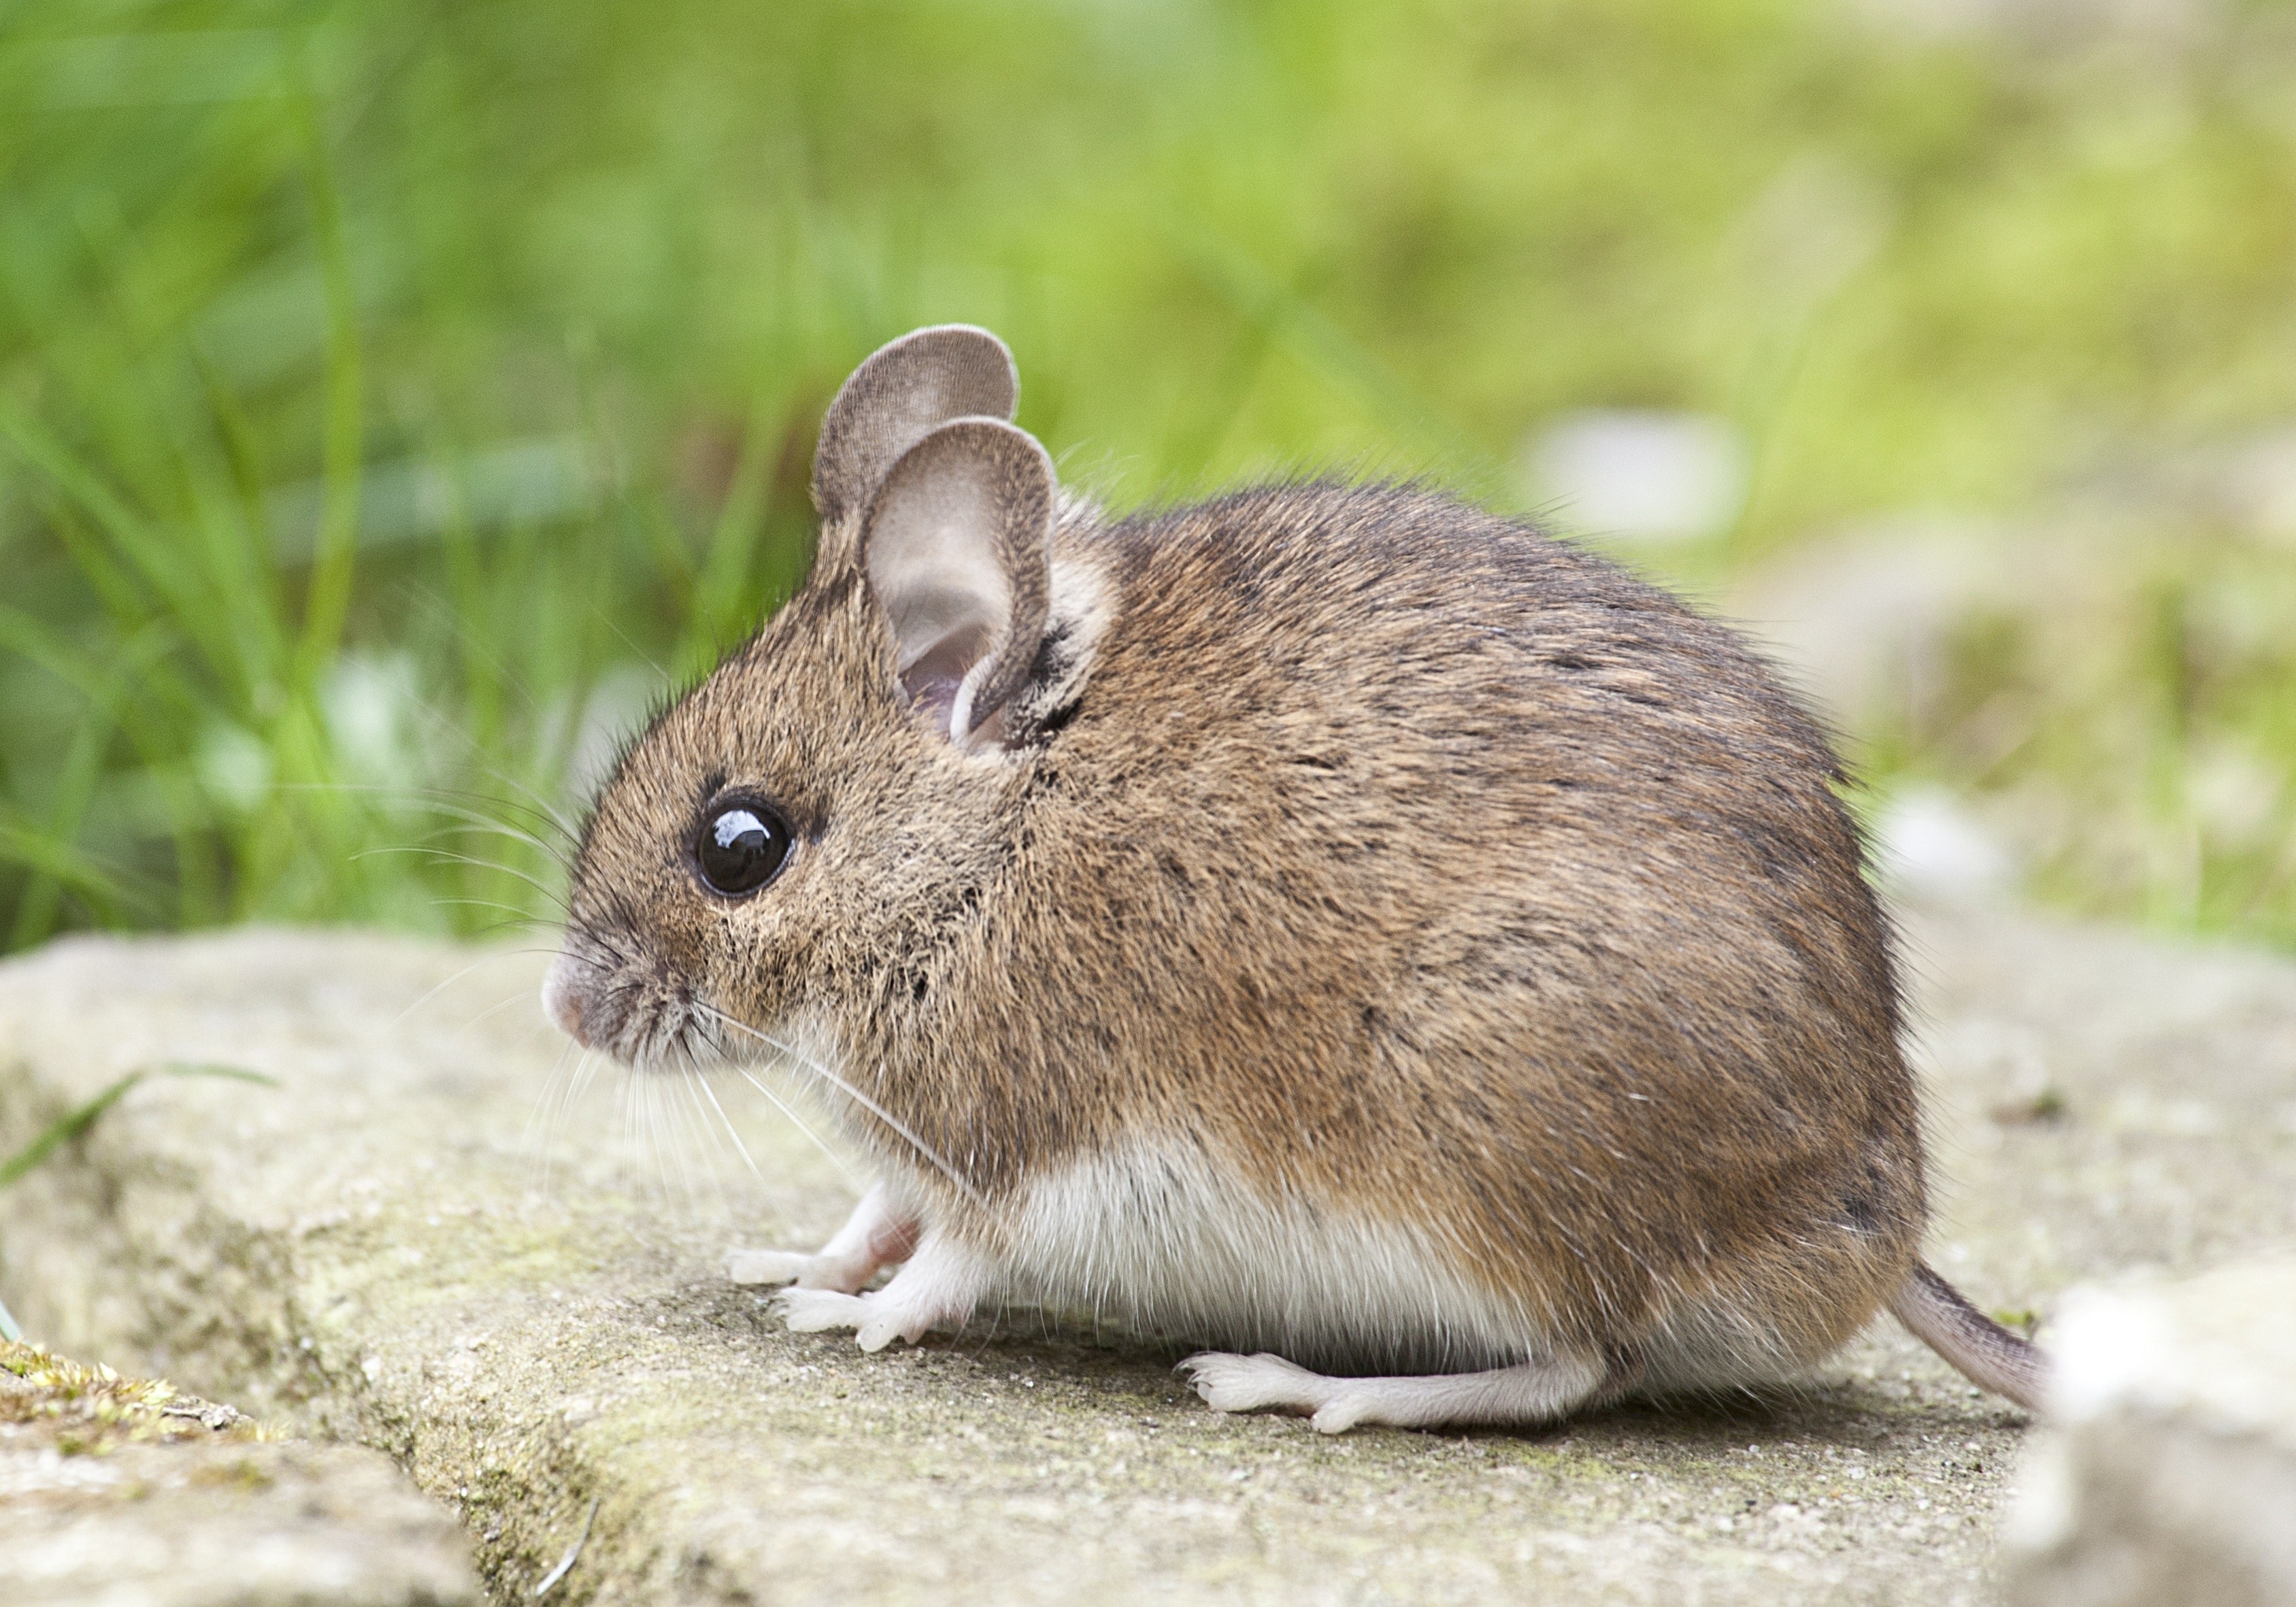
x=1254 y=1383
x=820 y=1310
x=754 y=1266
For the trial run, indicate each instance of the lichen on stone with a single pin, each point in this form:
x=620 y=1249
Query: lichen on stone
x=82 y=1410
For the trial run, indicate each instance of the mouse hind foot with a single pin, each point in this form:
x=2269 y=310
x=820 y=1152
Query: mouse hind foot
x=1534 y=1392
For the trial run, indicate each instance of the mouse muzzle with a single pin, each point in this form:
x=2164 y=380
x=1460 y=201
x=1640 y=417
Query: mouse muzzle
x=632 y=1007
x=562 y=997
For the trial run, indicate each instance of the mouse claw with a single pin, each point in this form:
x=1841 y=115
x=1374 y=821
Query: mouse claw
x=882 y=1329
x=1342 y=1413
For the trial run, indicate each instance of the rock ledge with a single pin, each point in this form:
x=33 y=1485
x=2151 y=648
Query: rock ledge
x=421 y=1239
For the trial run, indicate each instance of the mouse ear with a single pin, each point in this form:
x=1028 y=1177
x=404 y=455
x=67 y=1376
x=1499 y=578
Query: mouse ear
x=955 y=541
x=925 y=379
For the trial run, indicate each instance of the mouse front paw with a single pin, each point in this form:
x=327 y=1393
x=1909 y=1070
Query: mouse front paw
x=753 y=1266
x=938 y=1289
x=820 y=1310
x=875 y=1321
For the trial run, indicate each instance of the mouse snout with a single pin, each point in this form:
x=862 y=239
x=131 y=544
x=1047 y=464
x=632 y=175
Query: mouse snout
x=561 y=999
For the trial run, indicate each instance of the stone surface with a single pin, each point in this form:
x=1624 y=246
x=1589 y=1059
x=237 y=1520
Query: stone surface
x=123 y=1493
x=443 y=1236
x=284 y=1525
x=2170 y=1472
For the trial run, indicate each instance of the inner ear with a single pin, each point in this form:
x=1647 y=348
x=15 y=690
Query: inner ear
x=933 y=681
x=955 y=544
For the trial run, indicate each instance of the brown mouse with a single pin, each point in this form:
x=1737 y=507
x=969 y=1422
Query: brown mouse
x=1327 y=921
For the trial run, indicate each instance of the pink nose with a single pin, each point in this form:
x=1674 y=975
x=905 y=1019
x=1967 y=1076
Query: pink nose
x=561 y=998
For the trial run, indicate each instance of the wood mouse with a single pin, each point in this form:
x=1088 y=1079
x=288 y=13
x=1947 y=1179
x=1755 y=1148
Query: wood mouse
x=1327 y=922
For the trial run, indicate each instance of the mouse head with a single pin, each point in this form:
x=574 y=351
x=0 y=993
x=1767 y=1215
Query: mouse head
x=806 y=829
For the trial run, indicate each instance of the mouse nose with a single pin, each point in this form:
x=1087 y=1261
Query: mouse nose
x=561 y=997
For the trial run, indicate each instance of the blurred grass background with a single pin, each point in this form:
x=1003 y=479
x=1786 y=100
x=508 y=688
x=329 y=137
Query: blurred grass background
x=394 y=396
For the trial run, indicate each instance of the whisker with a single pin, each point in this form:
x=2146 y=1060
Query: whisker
x=441 y=988
x=547 y=1100
x=661 y=1111
x=446 y=856
x=469 y=818
x=663 y=1098
x=495 y=828
x=677 y=1118
x=650 y=661
x=963 y=1184
x=702 y=1081
x=687 y=1077
x=493 y=1008
x=539 y=804
x=449 y=802
x=625 y=1097
x=647 y=1123
x=517 y=916
x=584 y=1070
x=843 y=1166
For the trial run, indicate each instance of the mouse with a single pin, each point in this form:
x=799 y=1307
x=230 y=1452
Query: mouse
x=1396 y=951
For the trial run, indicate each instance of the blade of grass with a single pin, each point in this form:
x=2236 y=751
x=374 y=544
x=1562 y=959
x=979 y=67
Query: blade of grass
x=74 y=1123
x=34 y=849
x=233 y=518
x=1302 y=328
x=721 y=608
x=41 y=449
x=200 y=1067
x=82 y=769
x=327 y=602
x=64 y=1128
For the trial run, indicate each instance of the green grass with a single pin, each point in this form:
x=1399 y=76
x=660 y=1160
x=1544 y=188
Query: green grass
x=392 y=397
x=75 y=1123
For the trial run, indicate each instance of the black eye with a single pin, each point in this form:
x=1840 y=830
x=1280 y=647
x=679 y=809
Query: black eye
x=741 y=845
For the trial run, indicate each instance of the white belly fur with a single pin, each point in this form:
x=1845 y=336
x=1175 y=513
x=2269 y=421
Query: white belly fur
x=1148 y=1236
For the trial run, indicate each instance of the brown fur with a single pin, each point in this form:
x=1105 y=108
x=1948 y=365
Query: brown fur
x=1408 y=862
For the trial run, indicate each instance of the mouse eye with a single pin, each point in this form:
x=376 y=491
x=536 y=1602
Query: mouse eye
x=742 y=844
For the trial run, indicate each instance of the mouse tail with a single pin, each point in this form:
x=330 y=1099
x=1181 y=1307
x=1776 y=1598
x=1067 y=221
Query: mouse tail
x=1986 y=1353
